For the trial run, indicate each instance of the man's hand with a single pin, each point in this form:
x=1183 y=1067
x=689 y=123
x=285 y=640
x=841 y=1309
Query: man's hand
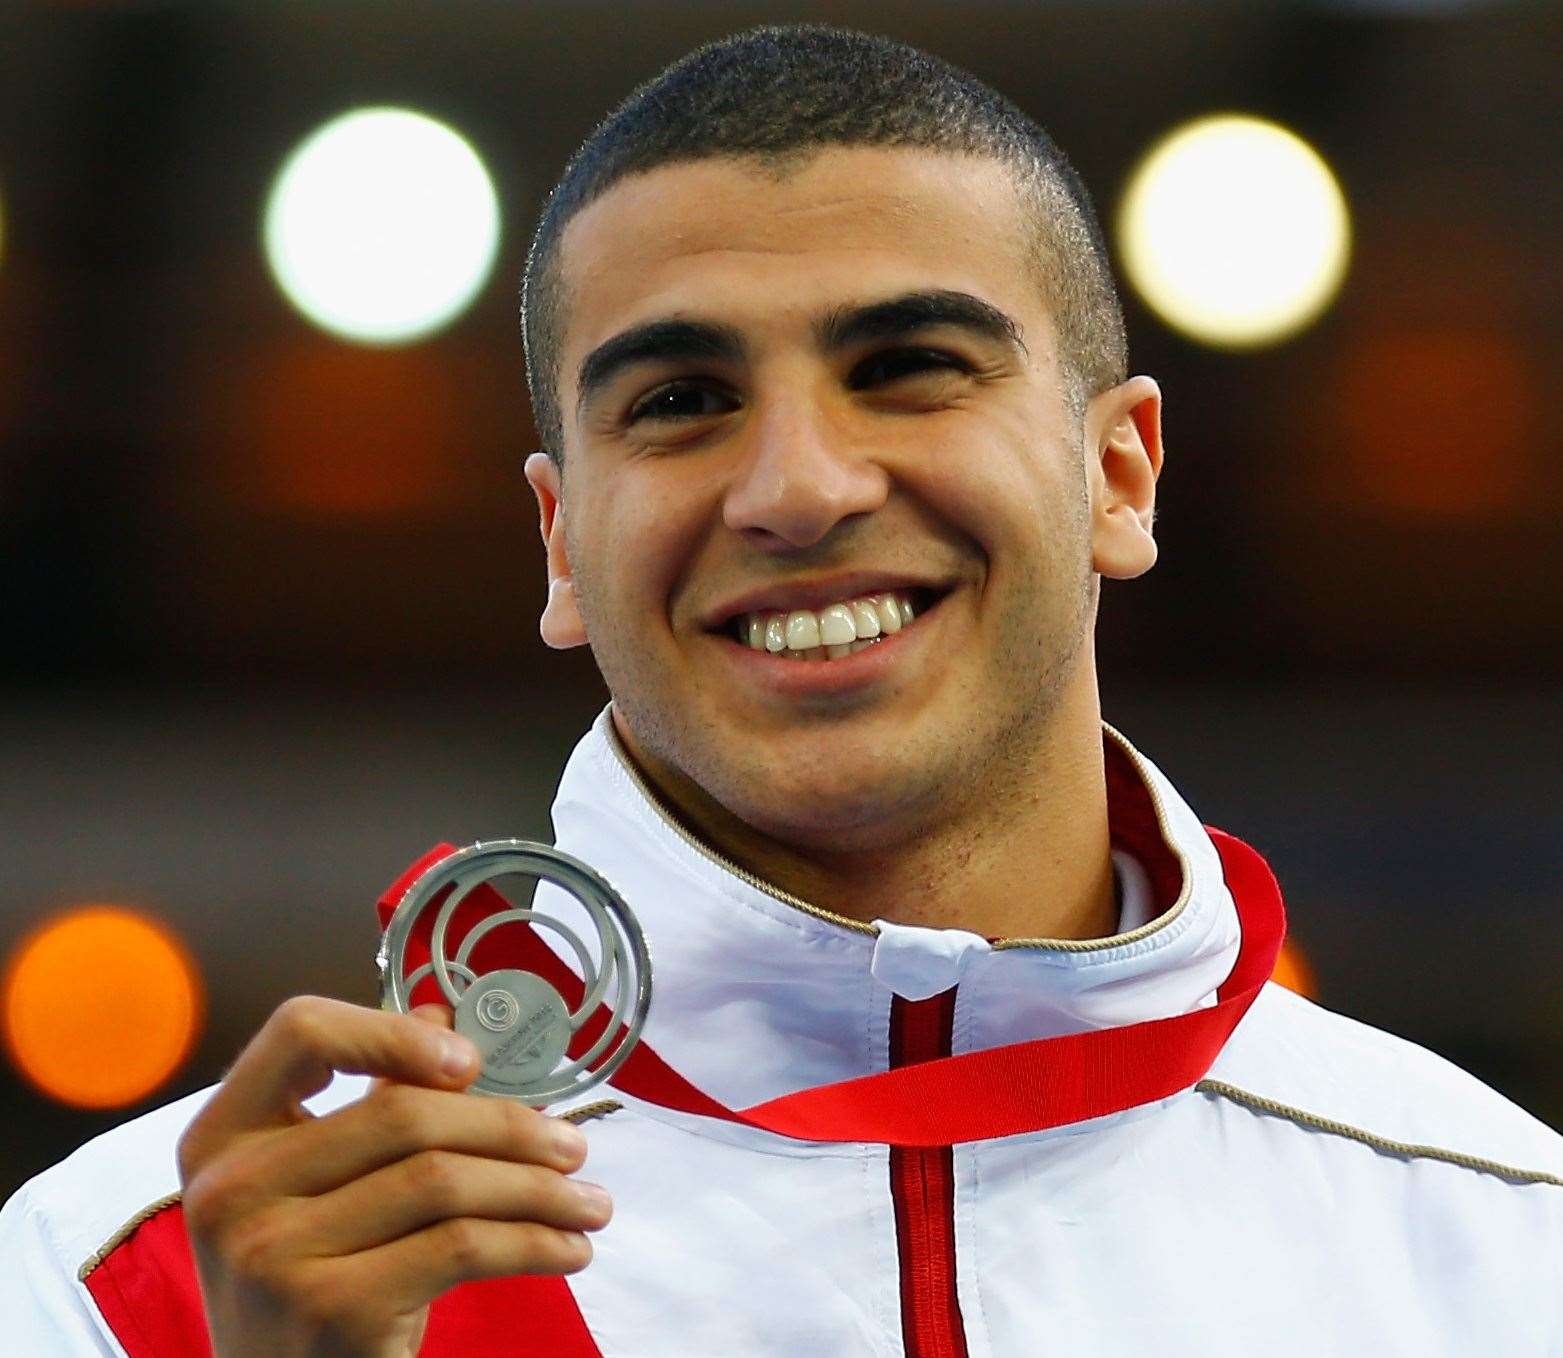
x=332 y=1235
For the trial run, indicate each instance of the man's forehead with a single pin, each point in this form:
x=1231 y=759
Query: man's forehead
x=906 y=211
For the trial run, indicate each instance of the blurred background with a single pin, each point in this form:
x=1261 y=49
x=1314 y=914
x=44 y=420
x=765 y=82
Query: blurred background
x=271 y=573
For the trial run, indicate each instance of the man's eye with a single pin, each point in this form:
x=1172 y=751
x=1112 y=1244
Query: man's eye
x=672 y=402
x=904 y=361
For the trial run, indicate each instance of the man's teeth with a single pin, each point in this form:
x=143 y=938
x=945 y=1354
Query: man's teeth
x=826 y=633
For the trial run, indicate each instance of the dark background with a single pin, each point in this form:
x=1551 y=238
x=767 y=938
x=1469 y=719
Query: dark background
x=269 y=600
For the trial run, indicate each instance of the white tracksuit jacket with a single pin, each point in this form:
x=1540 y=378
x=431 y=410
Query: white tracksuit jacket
x=1327 y=1189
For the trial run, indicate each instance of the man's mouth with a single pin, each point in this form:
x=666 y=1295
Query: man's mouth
x=835 y=630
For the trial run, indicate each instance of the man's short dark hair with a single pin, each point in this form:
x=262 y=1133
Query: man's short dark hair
x=776 y=95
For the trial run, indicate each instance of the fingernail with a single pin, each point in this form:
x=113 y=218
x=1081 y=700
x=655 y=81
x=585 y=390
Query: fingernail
x=568 y=1138
x=593 y=1195
x=457 y=1054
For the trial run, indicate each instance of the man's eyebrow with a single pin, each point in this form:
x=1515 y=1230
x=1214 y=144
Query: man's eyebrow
x=656 y=342
x=846 y=326
x=840 y=328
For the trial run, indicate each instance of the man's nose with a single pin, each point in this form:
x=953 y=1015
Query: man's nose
x=801 y=475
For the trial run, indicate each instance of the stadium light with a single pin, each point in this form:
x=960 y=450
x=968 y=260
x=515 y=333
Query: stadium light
x=382 y=226
x=1234 y=230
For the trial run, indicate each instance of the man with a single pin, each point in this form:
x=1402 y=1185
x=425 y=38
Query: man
x=840 y=440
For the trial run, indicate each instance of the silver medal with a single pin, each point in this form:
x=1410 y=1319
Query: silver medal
x=517 y=1020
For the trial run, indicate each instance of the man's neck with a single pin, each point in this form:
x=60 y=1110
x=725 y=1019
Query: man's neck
x=1035 y=863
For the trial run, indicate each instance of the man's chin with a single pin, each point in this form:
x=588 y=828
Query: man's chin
x=822 y=790
x=835 y=810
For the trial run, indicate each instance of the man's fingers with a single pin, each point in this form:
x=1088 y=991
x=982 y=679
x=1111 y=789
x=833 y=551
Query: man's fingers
x=398 y=1121
x=411 y=1272
x=435 y=1186
x=350 y=1223
x=307 y=1038
x=441 y=1015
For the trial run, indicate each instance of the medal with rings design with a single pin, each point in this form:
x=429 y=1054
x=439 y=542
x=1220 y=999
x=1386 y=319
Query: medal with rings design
x=520 y=1024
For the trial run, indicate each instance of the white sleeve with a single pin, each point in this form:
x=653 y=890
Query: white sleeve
x=57 y=1221
x=43 y=1308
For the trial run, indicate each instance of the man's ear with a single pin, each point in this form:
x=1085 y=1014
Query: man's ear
x=1123 y=442
x=561 y=625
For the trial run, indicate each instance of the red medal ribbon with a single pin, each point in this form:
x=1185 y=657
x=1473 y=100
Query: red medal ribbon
x=1003 y=1091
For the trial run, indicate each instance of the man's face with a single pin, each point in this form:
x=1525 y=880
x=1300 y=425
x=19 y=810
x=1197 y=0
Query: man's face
x=703 y=485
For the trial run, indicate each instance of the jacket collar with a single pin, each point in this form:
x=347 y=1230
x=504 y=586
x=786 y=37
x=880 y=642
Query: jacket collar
x=757 y=994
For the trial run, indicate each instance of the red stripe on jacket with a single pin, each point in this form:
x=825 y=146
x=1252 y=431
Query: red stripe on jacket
x=147 y=1291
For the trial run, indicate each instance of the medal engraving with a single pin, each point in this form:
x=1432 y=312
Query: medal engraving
x=518 y=1021
x=522 y=1025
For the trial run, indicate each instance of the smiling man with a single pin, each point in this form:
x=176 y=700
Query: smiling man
x=831 y=530
x=962 y=1040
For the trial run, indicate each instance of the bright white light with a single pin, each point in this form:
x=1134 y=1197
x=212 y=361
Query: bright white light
x=382 y=226
x=1234 y=230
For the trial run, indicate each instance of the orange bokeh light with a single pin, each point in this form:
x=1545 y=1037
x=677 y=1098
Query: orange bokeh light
x=1294 y=972
x=99 y=1006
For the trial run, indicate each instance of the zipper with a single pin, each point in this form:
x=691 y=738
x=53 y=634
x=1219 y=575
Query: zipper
x=922 y=1189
